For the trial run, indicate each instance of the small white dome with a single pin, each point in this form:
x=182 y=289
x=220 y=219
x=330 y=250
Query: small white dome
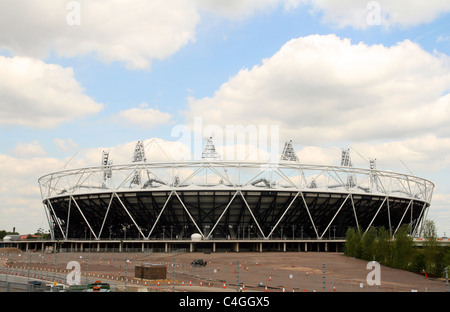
x=196 y=237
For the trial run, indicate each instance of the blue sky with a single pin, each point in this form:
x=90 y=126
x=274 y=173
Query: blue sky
x=75 y=89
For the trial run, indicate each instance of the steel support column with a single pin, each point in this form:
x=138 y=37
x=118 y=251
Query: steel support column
x=82 y=214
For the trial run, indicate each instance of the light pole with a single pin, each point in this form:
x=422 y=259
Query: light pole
x=237 y=276
x=446 y=279
x=324 y=279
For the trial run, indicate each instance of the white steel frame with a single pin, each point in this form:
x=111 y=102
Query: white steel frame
x=235 y=177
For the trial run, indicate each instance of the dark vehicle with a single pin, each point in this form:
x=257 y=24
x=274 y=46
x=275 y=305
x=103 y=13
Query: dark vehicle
x=198 y=262
x=36 y=286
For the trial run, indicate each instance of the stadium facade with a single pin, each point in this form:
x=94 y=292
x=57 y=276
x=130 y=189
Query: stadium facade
x=229 y=200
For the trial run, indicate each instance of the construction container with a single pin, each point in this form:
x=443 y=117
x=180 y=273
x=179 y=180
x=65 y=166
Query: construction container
x=150 y=271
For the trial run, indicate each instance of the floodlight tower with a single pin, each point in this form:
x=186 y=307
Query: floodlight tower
x=139 y=153
x=107 y=173
x=346 y=161
x=373 y=163
x=373 y=175
x=209 y=151
x=288 y=152
x=138 y=156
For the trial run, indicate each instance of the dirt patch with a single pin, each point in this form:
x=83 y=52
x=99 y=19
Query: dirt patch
x=10 y=250
x=278 y=271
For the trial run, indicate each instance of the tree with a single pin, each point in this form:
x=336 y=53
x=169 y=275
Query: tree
x=383 y=247
x=434 y=254
x=418 y=264
x=404 y=251
x=429 y=229
x=368 y=244
x=349 y=248
x=3 y=233
x=447 y=257
x=41 y=232
x=401 y=252
x=353 y=246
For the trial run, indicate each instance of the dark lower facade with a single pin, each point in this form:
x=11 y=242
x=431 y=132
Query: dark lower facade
x=227 y=215
x=176 y=246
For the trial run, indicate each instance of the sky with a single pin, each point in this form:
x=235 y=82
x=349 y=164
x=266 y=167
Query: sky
x=80 y=77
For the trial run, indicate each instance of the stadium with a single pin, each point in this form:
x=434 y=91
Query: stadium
x=216 y=200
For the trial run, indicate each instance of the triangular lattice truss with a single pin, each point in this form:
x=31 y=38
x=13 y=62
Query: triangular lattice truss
x=138 y=156
x=106 y=163
x=289 y=153
x=346 y=161
x=209 y=151
x=139 y=152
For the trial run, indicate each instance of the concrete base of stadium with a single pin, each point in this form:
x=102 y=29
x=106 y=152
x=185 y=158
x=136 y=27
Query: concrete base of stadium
x=242 y=245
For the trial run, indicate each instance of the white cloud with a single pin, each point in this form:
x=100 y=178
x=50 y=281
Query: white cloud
x=440 y=213
x=136 y=32
x=318 y=155
x=156 y=149
x=132 y=31
x=143 y=117
x=33 y=93
x=66 y=145
x=427 y=153
x=21 y=204
x=236 y=8
x=32 y=149
x=359 y=13
x=442 y=38
x=326 y=89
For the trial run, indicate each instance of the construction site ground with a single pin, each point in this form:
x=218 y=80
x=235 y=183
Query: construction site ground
x=227 y=271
